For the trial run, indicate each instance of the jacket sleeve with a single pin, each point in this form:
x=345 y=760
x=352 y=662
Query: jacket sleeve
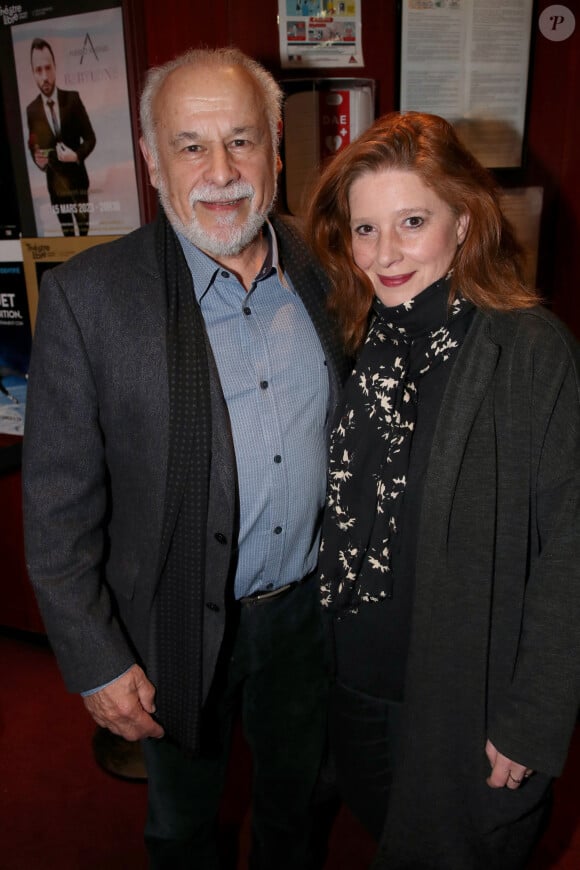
x=32 y=142
x=66 y=500
x=535 y=722
x=84 y=128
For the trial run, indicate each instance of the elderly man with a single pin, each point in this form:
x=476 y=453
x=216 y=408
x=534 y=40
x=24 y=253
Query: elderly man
x=174 y=469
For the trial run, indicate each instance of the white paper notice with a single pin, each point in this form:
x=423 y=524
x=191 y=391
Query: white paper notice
x=468 y=61
x=320 y=33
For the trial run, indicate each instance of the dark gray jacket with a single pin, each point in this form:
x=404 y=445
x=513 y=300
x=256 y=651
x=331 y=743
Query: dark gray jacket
x=95 y=455
x=495 y=647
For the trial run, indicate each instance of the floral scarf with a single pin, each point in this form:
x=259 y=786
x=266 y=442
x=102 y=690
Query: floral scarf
x=370 y=446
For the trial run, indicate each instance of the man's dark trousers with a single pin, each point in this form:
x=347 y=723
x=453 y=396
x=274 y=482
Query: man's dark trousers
x=277 y=675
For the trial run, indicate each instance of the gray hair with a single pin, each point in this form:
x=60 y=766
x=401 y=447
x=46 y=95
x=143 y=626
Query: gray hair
x=212 y=57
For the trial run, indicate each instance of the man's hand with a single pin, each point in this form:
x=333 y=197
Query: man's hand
x=125 y=706
x=504 y=771
x=41 y=157
x=66 y=154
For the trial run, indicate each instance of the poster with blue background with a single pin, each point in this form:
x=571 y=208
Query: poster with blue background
x=15 y=339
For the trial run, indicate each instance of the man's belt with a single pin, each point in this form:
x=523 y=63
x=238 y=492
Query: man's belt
x=262 y=597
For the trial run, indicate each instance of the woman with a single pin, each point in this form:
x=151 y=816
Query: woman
x=449 y=563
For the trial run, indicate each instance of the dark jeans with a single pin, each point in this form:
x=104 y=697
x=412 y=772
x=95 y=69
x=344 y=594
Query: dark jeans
x=363 y=733
x=277 y=676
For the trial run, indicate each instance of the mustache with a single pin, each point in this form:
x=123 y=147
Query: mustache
x=208 y=193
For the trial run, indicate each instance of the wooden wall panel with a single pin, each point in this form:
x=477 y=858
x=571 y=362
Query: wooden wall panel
x=173 y=26
x=253 y=28
x=553 y=135
x=566 y=250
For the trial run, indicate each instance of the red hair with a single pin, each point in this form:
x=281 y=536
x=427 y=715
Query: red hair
x=488 y=265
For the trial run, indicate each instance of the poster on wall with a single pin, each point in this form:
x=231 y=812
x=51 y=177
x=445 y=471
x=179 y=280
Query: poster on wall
x=71 y=138
x=320 y=33
x=41 y=254
x=15 y=339
x=468 y=61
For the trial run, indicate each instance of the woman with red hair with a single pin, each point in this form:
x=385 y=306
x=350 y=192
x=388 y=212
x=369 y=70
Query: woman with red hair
x=449 y=566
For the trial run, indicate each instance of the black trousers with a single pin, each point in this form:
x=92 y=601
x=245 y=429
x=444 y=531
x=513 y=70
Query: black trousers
x=363 y=734
x=276 y=675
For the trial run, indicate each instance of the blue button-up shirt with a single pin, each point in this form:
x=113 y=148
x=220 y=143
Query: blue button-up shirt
x=275 y=382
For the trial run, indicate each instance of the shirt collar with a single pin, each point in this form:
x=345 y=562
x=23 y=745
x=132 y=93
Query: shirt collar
x=272 y=261
x=205 y=268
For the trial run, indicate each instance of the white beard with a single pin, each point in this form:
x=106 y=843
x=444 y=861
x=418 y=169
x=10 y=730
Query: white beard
x=232 y=238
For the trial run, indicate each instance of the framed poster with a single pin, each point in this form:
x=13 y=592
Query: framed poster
x=468 y=61
x=66 y=94
x=15 y=339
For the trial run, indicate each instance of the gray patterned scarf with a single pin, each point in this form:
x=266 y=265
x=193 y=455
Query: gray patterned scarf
x=179 y=602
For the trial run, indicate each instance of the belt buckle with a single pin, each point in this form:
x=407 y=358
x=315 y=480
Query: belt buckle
x=259 y=597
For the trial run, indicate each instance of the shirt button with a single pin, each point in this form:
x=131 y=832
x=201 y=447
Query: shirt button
x=269 y=585
x=247 y=310
x=225 y=274
x=277 y=530
x=220 y=538
x=277 y=458
x=264 y=385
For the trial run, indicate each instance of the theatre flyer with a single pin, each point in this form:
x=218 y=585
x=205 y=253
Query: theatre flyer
x=320 y=33
x=89 y=59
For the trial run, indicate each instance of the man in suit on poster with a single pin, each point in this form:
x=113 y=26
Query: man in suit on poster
x=181 y=383
x=60 y=138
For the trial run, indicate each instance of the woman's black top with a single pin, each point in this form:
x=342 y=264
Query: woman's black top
x=379 y=455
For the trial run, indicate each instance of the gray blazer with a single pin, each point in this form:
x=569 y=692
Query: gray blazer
x=95 y=455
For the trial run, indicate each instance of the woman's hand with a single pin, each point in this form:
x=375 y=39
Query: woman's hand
x=504 y=771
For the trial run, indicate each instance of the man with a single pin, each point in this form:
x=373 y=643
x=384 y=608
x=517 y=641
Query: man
x=174 y=469
x=60 y=138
